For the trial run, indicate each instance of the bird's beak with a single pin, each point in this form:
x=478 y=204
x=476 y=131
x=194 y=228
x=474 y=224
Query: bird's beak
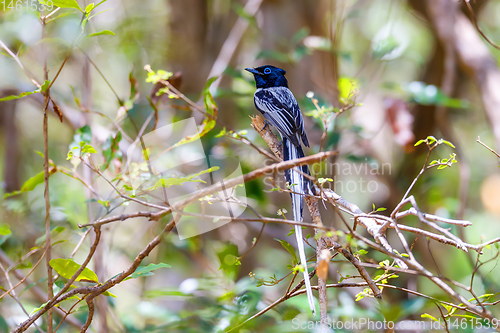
x=253 y=71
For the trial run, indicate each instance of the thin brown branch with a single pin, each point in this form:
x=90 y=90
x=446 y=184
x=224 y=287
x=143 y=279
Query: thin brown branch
x=364 y=274
x=90 y=304
x=46 y=195
x=120 y=102
x=28 y=74
x=291 y=293
x=323 y=242
x=12 y=294
x=93 y=292
x=27 y=275
x=436 y=237
x=123 y=217
x=443 y=317
x=38 y=294
x=487 y=147
x=277 y=167
x=478 y=28
x=256 y=240
x=126 y=197
x=375 y=230
x=218 y=187
x=438 y=281
x=272 y=141
x=433 y=218
x=54 y=300
x=67 y=314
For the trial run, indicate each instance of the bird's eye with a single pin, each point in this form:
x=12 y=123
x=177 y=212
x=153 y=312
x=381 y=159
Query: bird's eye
x=267 y=71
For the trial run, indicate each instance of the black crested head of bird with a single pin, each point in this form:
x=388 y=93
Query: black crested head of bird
x=268 y=76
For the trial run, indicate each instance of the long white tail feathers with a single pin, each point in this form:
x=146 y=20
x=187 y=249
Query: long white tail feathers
x=303 y=261
x=299 y=185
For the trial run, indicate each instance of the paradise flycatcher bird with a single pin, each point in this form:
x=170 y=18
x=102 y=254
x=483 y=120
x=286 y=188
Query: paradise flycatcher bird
x=279 y=107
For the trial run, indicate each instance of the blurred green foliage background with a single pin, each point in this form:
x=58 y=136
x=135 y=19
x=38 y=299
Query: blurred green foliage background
x=384 y=56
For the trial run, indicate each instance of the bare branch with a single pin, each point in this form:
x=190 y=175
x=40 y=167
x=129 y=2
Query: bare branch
x=476 y=24
x=487 y=147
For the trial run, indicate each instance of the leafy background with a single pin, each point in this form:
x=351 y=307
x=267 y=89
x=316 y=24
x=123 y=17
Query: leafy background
x=385 y=50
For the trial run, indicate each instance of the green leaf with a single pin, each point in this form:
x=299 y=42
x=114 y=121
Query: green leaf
x=384 y=263
x=221 y=133
x=111 y=149
x=108 y=293
x=68 y=267
x=4 y=229
x=288 y=247
x=45 y=86
x=228 y=256
x=425 y=94
x=104 y=32
x=360 y=296
x=134 y=91
x=83 y=134
x=4 y=327
x=208 y=98
x=430 y=139
x=11 y=97
x=324 y=180
x=159 y=75
x=29 y=185
x=64 y=4
x=384 y=47
x=167 y=182
x=89 y=8
x=419 y=142
x=105 y=203
x=128 y=187
x=100 y=3
x=23 y=265
x=67 y=13
x=35 y=310
x=146 y=270
x=466 y=316
x=426 y=315
x=102 y=11
x=448 y=143
x=54 y=232
x=88 y=149
x=347 y=87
